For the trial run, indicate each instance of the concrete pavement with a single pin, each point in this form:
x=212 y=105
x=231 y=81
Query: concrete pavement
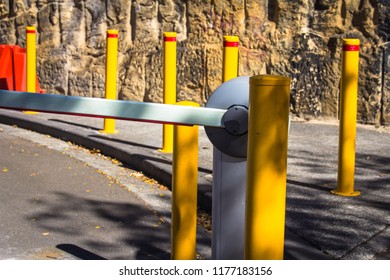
x=318 y=225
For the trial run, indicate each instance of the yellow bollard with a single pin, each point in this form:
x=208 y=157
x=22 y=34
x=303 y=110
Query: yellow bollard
x=266 y=167
x=184 y=190
x=111 y=76
x=348 y=112
x=169 y=86
x=230 y=58
x=31 y=61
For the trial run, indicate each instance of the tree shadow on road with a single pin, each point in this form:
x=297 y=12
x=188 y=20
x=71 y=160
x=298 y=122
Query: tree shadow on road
x=106 y=229
x=337 y=225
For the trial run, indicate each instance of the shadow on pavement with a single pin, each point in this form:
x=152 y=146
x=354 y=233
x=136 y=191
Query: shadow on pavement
x=78 y=252
x=102 y=229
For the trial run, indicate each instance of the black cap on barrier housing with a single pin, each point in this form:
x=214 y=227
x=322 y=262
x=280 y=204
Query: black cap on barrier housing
x=235 y=120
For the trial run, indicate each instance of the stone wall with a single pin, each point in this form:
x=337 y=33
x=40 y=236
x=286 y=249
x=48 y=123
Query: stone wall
x=297 y=38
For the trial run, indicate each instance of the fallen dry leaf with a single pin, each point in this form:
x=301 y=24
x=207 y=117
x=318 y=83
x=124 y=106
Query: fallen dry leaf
x=115 y=161
x=136 y=174
x=204 y=220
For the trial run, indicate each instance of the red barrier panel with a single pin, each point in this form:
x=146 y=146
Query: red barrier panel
x=19 y=65
x=13 y=69
x=6 y=75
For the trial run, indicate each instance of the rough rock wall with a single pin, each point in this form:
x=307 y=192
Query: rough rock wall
x=297 y=38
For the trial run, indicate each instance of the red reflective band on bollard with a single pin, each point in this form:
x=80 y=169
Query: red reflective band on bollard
x=30 y=31
x=351 y=48
x=230 y=44
x=169 y=39
x=112 y=35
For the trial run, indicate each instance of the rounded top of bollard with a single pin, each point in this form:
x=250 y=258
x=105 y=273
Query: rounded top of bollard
x=112 y=33
x=169 y=34
x=170 y=37
x=230 y=38
x=349 y=41
x=31 y=29
x=269 y=80
x=230 y=41
x=351 y=44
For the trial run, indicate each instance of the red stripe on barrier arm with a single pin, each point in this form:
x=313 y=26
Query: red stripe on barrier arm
x=112 y=35
x=31 y=31
x=169 y=39
x=351 y=48
x=230 y=44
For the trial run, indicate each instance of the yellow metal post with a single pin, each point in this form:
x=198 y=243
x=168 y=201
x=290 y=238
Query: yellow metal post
x=348 y=112
x=184 y=190
x=230 y=58
x=169 y=90
x=269 y=100
x=31 y=61
x=111 y=76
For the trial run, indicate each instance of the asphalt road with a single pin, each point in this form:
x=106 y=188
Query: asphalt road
x=54 y=206
x=318 y=225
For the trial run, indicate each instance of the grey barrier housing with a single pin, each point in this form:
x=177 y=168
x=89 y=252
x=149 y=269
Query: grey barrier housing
x=229 y=168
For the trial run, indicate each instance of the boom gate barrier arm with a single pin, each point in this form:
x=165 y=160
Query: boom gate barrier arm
x=116 y=109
